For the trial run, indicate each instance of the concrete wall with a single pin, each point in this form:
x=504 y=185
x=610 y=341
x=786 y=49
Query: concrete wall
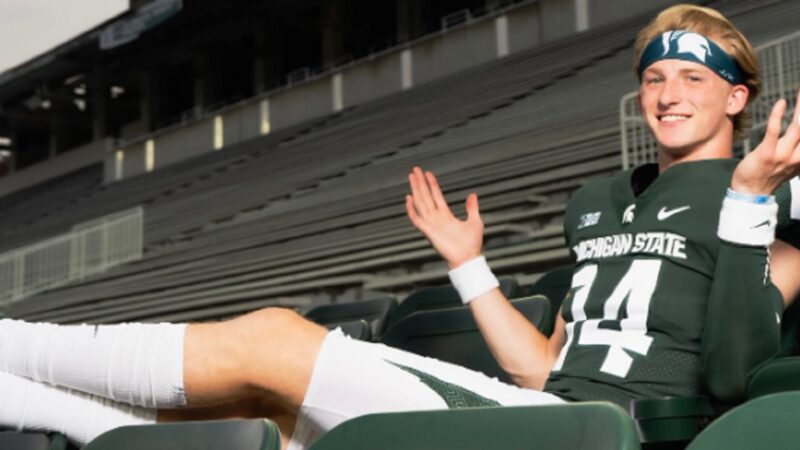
x=241 y=124
x=292 y=106
x=453 y=52
x=378 y=78
x=184 y=142
x=524 y=28
x=133 y=162
x=602 y=12
x=557 y=18
x=54 y=167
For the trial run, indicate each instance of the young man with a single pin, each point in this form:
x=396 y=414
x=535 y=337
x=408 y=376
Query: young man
x=671 y=294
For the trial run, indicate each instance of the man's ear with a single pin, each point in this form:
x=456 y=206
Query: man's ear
x=737 y=99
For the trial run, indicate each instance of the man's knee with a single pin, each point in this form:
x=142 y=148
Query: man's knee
x=275 y=319
x=274 y=324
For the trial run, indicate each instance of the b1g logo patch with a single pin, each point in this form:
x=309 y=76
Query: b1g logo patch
x=589 y=220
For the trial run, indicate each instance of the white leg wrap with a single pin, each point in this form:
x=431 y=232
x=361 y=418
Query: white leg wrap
x=28 y=405
x=139 y=364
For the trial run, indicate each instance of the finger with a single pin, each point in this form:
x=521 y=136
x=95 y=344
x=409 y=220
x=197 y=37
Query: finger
x=792 y=136
x=436 y=191
x=774 y=125
x=424 y=190
x=473 y=211
x=419 y=192
x=412 y=213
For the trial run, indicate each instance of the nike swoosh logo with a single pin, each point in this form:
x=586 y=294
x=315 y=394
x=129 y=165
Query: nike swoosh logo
x=453 y=395
x=765 y=223
x=664 y=213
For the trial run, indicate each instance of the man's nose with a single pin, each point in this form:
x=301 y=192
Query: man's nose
x=670 y=93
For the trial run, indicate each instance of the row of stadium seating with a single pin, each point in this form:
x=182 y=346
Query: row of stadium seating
x=432 y=322
x=766 y=422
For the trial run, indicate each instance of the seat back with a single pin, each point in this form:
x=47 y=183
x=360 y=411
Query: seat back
x=439 y=297
x=374 y=311
x=253 y=434
x=452 y=335
x=356 y=329
x=790 y=329
x=777 y=375
x=768 y=422
x=554 y=285
x=578 y=426
x=673 y=420
x=14 y=440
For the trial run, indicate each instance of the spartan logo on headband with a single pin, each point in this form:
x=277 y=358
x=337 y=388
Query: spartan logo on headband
x=687 y=43
x=689 y=46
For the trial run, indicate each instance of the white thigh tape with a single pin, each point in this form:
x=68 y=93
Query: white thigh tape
x=472 y=279
x=745 y=223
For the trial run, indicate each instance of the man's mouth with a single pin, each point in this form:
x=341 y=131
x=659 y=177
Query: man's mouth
x=672 y=117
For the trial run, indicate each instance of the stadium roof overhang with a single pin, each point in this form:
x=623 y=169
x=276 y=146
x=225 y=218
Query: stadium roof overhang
x=176 y=35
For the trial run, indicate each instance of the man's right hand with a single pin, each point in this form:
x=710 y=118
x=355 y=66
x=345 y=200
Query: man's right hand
x=457 y=241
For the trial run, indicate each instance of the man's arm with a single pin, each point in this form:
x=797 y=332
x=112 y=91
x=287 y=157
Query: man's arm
x=742 y=324
x=520 y=349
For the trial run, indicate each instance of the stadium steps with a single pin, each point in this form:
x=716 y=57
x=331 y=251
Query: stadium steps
x=239 y=283
x=247 y=207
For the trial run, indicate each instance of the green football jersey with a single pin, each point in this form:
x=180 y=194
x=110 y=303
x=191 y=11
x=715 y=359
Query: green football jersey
x=645 y=248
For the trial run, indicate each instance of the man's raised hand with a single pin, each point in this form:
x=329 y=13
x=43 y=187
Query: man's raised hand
x=776 y=159
x=457 y=241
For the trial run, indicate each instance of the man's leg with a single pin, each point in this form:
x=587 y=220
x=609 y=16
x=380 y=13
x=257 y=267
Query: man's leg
x=170 y=365
x=28 y=405
x=272 y=351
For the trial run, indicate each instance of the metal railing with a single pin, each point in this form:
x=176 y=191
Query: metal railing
x=91 y=247
x=779 y=61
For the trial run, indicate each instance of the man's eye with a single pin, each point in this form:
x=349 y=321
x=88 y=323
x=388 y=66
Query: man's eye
x=695 y=78
x=653 y=80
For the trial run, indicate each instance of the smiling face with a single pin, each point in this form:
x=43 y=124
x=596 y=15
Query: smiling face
x=689 y=110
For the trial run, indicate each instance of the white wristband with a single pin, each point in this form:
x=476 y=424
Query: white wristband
x=746 y=223
x=472 y=279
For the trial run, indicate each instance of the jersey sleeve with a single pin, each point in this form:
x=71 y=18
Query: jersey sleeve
x=742 y=324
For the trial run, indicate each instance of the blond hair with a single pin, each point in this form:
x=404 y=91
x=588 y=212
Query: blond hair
x=710 y=23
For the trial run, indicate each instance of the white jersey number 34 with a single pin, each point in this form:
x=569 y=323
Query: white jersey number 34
x=637 y=285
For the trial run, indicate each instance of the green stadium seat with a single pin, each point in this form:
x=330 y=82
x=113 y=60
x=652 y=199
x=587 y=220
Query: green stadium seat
x=777 y=375
x=668 y=423
x=13 y=440
x=452 y=334
x=790 y=330
x=438 y=297
x=768 y=422
x=356 y=329
x=579 y=426
x=554 y=285
x=374 y=311
x=251 y=434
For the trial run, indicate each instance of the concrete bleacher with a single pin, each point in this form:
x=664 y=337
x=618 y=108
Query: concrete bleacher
x=315 y=211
